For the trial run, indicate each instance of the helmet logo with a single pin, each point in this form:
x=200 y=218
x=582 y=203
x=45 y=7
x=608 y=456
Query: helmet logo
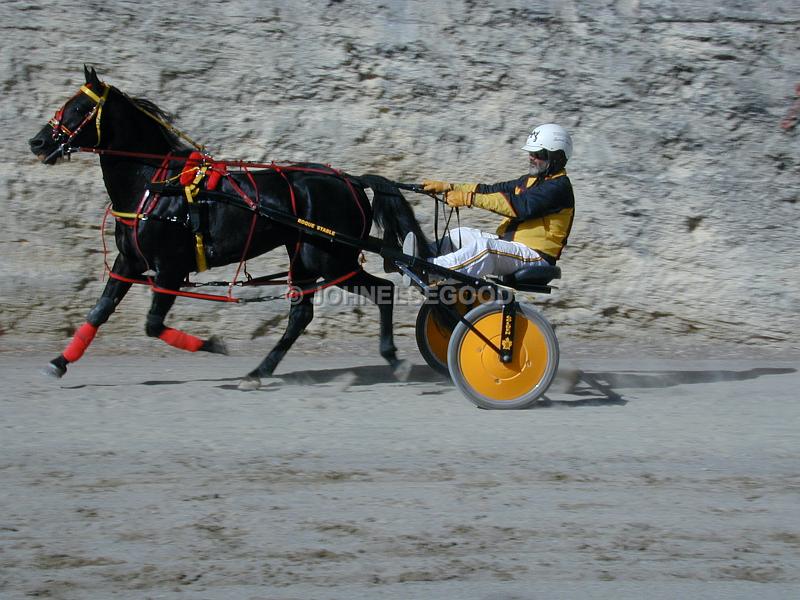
x=534 y=135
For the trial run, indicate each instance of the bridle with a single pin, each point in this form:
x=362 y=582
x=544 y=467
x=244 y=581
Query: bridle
x=62 y=134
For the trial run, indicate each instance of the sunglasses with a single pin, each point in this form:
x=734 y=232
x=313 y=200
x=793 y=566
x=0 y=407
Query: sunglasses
x=539 y=154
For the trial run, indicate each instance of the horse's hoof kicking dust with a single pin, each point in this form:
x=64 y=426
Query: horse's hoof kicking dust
x=402 y=370
x=54 y=371
x=215 y=345
x=248 y=384
x=343 y=382
x=567 y=379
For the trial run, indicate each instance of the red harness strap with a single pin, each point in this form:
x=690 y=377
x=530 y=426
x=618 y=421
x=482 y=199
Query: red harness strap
x=149 y=281
x=294 y=292
x=216 y=170
x=144 y=208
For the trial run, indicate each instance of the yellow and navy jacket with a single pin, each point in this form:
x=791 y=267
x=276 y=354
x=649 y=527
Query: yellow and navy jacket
x=538 y=213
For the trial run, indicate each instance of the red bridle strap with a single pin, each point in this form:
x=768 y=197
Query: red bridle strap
x=96 y=113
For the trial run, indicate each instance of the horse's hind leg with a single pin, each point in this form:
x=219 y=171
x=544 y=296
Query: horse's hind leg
x=301 y=314
x=155 y=327
x=381 y=292
x=112 y=295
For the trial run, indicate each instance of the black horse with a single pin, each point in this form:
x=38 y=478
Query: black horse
x=170 y=231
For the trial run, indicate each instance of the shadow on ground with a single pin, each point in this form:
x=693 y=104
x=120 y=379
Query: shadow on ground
x=584 y=388
x=586 y=385
x=663 y=379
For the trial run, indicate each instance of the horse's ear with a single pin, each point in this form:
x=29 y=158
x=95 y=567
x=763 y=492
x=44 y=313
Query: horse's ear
x=91 y=75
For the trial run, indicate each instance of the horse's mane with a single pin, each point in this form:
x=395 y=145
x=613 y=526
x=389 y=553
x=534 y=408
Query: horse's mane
x=173 y=139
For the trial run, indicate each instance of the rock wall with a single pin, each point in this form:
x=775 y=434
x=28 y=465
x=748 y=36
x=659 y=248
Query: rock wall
x=686 y=182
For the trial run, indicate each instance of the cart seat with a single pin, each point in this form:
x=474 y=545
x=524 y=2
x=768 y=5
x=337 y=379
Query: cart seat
x=533 y=278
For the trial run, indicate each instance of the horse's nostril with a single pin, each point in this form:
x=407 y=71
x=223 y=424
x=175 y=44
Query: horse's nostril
x=35 y=143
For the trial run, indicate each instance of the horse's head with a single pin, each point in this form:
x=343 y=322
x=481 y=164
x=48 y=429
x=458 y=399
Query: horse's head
x=76 y=123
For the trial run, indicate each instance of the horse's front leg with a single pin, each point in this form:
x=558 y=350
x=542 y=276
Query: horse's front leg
x=112 y=295
x=160 y=306
x=381 y=292
x=301 y=314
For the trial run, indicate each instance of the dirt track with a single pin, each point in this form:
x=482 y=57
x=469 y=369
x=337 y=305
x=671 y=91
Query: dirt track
x=161 y=480
x=151 y=476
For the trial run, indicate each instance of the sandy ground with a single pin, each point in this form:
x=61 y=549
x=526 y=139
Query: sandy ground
x=152 y=476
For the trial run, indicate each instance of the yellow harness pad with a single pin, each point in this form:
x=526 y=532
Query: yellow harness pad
x=191 y=191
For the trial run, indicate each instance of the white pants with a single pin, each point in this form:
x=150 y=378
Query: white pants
x=477 y=253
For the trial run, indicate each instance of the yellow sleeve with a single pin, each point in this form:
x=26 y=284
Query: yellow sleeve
x=496 y=202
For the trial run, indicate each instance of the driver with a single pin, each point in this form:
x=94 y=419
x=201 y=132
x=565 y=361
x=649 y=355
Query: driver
x=538 y=209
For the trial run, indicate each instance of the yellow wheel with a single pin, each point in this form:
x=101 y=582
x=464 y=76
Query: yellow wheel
x=433 y=331
x=477 y=370
x=434 y=326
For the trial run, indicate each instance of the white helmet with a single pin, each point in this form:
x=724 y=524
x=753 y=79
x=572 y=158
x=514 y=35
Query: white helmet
x=549 y=137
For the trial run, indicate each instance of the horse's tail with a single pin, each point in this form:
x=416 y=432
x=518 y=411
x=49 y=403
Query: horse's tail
x=393 y=214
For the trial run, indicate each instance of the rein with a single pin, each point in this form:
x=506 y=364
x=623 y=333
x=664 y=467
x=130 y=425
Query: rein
x=439 y=239
x=236 y=164
x=165 y=124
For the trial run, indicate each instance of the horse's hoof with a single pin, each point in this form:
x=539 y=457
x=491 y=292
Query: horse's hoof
x=215 y=345
x=568 y=379
x=249 y=383
x=55 y=371
x=402 y=370
x=344 y=381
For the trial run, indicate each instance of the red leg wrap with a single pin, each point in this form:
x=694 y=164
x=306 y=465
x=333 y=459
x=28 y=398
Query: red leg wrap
x=181 y=340
x=80 y=341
